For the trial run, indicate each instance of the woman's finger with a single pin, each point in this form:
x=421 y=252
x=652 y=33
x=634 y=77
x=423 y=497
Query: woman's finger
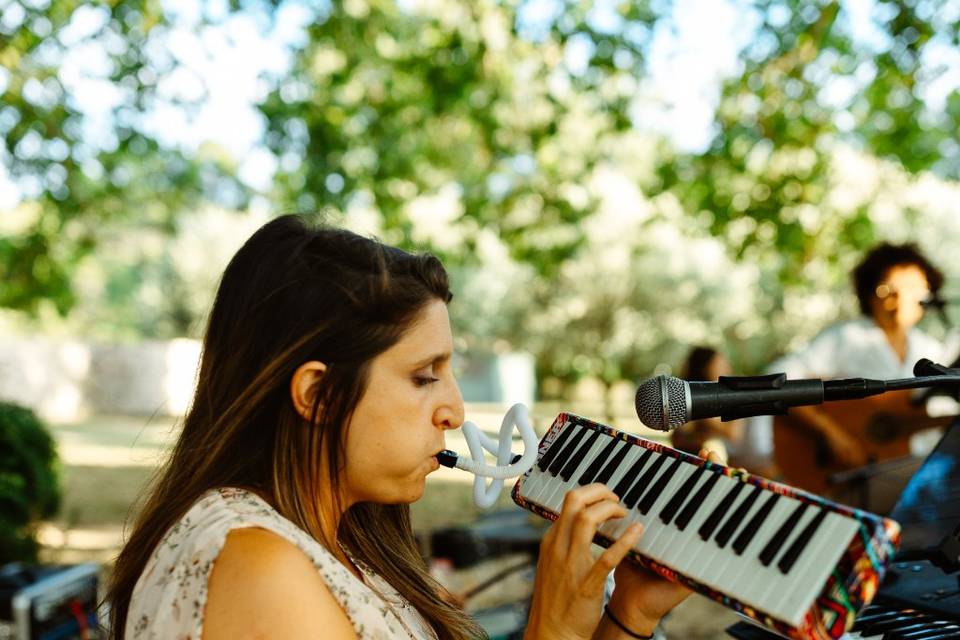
x=589 y=519
x=712 y=456
x=610 y=558
x=573 y=503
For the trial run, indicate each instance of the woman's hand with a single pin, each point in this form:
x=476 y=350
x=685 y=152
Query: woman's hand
x=568 y=592
x=641 y=597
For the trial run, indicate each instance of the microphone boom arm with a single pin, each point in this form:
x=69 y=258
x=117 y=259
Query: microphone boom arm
x=665 y=402
x=809 y=392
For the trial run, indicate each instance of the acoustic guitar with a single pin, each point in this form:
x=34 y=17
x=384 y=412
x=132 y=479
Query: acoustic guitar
x=881 y=424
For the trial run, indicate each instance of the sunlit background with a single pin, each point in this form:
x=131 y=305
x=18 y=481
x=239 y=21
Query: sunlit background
x=609 y=183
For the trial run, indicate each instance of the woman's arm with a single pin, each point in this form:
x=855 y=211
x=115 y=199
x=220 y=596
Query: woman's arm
x=264 y=587
x=843 y=446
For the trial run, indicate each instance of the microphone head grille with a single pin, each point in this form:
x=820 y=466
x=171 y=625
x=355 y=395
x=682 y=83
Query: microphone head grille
x=661 y=403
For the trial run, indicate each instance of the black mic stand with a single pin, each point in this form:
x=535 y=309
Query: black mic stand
x=858 y=481
x=939 y=379
x=940 y=306
x=924 y=578
x=925 y=367
x=946 y=556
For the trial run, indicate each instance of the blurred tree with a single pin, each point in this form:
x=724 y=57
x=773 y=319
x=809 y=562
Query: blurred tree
x=387 y=104
x=75 y=173
x=443 y=123
x=809 y=86
x=813 y=84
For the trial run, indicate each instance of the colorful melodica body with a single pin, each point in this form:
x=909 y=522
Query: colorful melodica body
x=792 y=561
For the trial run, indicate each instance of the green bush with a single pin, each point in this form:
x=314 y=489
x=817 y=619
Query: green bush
x=29 y=482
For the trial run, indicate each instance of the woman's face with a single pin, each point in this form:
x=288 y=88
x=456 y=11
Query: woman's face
x=896 y=301
x=719 y=366
x=398 y=426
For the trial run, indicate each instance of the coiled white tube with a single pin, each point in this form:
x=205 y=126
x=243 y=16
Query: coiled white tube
x=484 y=496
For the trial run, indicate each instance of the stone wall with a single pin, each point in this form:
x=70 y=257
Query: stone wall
x=65 y=380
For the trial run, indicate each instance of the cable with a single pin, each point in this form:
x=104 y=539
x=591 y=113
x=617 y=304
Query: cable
x=76 y=609
x=495 y=578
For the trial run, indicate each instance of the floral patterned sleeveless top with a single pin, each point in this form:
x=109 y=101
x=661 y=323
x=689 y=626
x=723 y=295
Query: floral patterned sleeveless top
x=169 y=598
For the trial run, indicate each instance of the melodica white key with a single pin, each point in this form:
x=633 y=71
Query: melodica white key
x=799 y=564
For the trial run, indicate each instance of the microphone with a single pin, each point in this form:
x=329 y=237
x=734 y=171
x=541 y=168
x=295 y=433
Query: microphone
x=936 y=302
x=664 y=402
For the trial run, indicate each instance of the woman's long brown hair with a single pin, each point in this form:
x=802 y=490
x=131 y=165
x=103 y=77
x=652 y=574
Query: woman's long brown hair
x=293 y=294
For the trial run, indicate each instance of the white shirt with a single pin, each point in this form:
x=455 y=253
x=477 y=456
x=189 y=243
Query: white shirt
x=853 y=349
x=169 y=598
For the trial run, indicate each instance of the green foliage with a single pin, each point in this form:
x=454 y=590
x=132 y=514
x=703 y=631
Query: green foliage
x=385 y=105
x=765 y=181
x=78 y=175
x=474 y=106
x=776 y=131
x=29 y=482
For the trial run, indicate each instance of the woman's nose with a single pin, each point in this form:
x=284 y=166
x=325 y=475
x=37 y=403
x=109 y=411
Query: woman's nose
x=450 y=414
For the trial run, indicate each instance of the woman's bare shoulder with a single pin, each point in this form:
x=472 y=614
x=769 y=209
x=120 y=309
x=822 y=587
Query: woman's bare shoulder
x=262 y=586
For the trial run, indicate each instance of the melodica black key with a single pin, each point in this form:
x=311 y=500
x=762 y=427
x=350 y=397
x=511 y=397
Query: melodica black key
x=713 y=520
x=651 y=496
x=630 y=476
x=594 y=469
x=578 y=457
x=780 y=537
x=630 y=500
x=615 y=463
x=735 y=520
x=691 y=509
x=670 y=509
x=750 y=531
x=790 y=557
x=567 y=451
x=818 y=598
x=554 y=449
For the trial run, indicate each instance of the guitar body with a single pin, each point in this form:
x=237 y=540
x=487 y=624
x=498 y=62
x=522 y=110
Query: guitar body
x=881 y=424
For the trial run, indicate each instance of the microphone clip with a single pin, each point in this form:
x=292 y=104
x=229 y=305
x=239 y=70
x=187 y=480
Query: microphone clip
x=767 y=382
x=754 y=383
x=927 y=367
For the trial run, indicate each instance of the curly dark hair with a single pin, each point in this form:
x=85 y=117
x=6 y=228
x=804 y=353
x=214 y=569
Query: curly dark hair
x=879 y=260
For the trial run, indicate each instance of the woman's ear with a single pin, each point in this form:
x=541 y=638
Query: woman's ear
x=304 y=385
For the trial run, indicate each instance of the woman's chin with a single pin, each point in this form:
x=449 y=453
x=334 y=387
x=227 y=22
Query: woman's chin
x=409 y=493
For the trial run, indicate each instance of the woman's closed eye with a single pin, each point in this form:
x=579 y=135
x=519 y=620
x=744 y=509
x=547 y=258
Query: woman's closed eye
x=423 y=379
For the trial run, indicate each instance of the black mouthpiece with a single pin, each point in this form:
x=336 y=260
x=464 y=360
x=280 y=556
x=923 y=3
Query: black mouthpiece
x=447 y=458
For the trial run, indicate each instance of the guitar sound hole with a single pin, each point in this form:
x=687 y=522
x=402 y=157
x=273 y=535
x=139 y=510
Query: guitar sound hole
x=883 y=429
x=822 y=455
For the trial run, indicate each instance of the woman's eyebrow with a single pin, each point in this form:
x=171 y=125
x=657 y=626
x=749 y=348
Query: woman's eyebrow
x=434 y=359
